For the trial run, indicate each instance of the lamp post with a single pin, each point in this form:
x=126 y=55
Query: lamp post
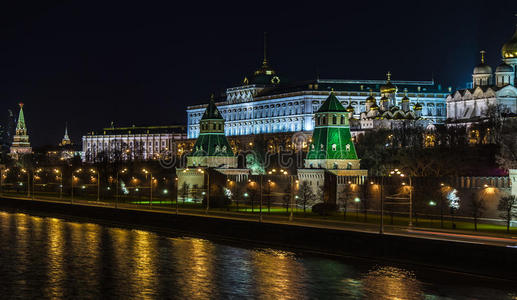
x=73 y=178
x=98 y=182
x=150 y=186
x=176 y=187
x=117 y=187
x=357 y=201
x=381 y=193
x=28 y=182
x=292 y=196
x=398 y=172
x=57 y=171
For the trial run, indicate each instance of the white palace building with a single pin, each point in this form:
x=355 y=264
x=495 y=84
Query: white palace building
x=265 y=104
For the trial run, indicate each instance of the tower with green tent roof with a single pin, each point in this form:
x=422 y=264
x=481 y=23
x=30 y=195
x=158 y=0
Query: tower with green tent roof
x=332 y=146
x=21 y=144
x=212 y=148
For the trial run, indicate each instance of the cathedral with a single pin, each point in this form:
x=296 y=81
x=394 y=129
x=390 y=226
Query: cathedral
x=489 y=89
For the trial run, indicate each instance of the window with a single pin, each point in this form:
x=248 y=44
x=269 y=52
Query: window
x=334 y=120
x=334 y=147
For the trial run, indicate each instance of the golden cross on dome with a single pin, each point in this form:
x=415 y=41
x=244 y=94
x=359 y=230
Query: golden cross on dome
x=482 y=56
x=388 y=75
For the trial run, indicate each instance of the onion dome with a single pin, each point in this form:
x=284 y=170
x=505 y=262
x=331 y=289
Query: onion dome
x=482 y=68
x=374 y=107
x=418 y=106
x=388 y=88
x=509 y=49
x=350 y=108
x=384 y=99
x=504 y=68
x=371 y=98
x=405 y=98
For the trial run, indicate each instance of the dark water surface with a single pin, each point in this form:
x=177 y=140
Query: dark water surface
x=43 y=257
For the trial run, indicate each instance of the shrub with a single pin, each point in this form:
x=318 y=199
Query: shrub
x=324 y=209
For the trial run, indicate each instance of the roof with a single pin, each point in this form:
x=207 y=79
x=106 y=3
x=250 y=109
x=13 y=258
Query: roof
x=141 y=130
x=353 y=86
x=332 y=104
x=211 y=112
x=212 y=145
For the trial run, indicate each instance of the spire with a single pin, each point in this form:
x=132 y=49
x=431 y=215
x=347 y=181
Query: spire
x=66 y=138
x=66 y=132
x=211 y=111
x=264 y=62
x=482 y=56
x=21 y=119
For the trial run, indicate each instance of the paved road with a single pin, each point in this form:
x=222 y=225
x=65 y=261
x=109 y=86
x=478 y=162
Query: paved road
x=426 y=233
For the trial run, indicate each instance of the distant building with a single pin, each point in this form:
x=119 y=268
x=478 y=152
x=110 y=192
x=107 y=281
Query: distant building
x=132 y=143
x=65 y=150
x=498 y=90
x=21 y=144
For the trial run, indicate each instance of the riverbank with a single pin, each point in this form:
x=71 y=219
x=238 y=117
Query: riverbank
x=458 y=256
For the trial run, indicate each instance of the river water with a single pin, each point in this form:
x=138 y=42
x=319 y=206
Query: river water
x=45 y=257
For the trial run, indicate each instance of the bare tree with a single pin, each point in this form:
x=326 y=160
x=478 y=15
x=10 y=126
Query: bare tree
x=344 y=198
x=508 y=207
x=184 y=191
x=305 y=195
x=477 y=208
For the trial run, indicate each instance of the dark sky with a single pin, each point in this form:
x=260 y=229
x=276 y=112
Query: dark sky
x=88 y=63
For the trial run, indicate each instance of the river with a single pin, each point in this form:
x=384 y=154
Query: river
x=46 y=257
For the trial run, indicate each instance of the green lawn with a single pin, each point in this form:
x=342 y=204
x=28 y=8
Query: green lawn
x=281 y=212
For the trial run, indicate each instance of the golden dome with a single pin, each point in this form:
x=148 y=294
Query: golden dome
x=371 y=98
x=384 y=99
x=388 y=88
x=509 y=49
x=405 y=98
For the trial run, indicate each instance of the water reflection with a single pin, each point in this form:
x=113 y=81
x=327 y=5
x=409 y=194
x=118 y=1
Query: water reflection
x=52 y=258
x=391 y=283
x=280 y=275
x=55 y=272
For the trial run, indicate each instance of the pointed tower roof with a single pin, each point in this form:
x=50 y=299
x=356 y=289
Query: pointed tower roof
x=211 y=112
x=332 y=104
x=21 y=119
x=66 y=132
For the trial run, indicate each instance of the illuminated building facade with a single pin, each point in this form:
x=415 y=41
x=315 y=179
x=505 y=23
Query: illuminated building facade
x=132 y=143
x=21 y=144
x=472 y=105
x=264 y=104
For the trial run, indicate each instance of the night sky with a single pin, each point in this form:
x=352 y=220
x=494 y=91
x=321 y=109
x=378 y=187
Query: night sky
x=89 y=63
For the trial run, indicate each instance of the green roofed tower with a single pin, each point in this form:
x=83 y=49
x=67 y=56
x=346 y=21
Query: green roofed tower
x=212 y=148
x=21 y=144
x=332 y=146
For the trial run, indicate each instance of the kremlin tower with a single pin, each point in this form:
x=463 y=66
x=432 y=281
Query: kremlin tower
x=20 y=145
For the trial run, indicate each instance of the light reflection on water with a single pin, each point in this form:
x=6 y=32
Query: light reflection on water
x=53 y=258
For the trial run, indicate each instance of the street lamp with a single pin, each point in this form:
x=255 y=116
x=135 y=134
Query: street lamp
x=201 y=171
x=150 y=186
x=28 y=182
x=117 y=187
x=357 y=201
x=397 y=172
x=296 y=186
x=60 y=174
x=98 y=182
